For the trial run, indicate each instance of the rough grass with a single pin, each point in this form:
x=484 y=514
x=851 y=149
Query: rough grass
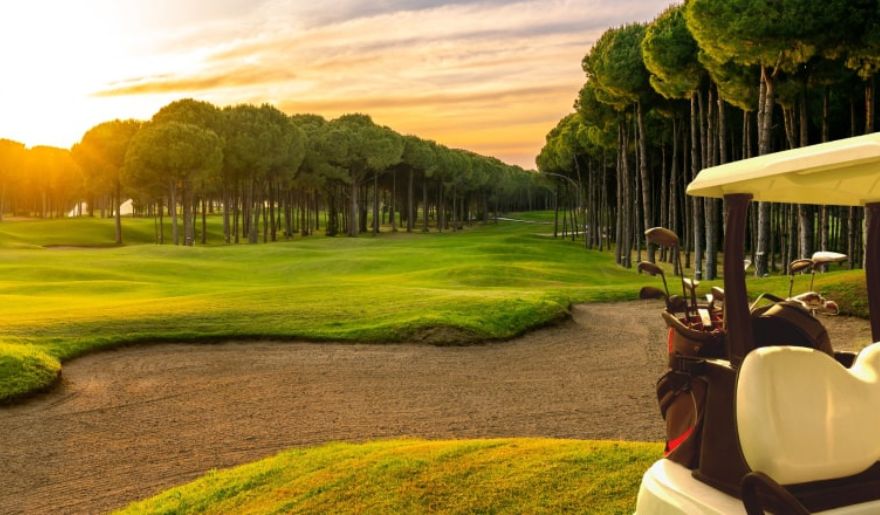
x=416 y=476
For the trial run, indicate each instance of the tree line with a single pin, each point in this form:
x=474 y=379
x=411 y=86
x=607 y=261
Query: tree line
x=268 y=175
x=705 y=83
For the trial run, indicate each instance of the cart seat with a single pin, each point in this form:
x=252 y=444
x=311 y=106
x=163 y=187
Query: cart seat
x=803 y=417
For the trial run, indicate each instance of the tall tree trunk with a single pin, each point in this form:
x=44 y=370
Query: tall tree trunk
x=555 y=211
x=673 y=189
x=353 y=225
x=711 y=216
x=161 y=223
x=765 y=135
x=188 y=235
x=441 y=207
x=393 y=208
x=823 y=214
x=647 y=211
x=805 y=212
x=375 y=203
x=227 y=237
x=172 y=208
x=410 y=212
x=425 y=203
x=204 y=222
x=628 y=203
x=618 y=212
x=698 y=224
x=118 y=194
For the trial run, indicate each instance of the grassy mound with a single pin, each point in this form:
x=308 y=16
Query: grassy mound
x=415 y=476
x=24 y=369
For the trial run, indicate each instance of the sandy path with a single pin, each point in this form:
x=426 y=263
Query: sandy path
x=126 y=424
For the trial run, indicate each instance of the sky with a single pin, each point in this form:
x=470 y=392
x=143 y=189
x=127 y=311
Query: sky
x=489 y=76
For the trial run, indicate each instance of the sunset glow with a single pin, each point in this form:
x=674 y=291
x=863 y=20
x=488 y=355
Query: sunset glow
x=489 y=76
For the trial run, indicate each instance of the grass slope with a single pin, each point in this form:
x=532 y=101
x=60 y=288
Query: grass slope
x=415 y=476
x=486 y=282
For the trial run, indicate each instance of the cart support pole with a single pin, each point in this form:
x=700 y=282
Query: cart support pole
x=740 y=339
x=872 y=267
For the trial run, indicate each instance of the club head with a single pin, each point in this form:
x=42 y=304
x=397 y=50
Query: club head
x=717 y=294
x=830 y=308
x=676 y=304
x=800 y=265
x=824 y=257
x=649 y=292
x=691 y=283
x=661 y=236
x=811 y=299
x=746 y=264
x=649 y=268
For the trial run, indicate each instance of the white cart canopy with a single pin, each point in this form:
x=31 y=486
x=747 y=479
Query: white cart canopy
x=844 y=172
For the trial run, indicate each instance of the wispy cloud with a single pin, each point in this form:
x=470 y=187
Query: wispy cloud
x=491 y=76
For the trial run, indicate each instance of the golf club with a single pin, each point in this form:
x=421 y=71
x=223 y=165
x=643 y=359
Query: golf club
x=716 y=295
x=824 y=257
x=650 y=293
x=676 y=304
x=664 y=237
x=691 y=285
x=795 y=267
x=654 y=270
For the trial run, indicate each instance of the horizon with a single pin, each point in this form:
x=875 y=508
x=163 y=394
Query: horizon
x=489 y=76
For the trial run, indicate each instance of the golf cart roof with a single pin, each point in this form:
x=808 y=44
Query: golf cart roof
x=844 y=172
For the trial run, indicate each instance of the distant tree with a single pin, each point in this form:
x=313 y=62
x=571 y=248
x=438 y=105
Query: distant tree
x=101 y=154
x=617 y=67
x=55 y=178
x=354 y=143
x=12 y=156
x=176 y=154
x=418 y=157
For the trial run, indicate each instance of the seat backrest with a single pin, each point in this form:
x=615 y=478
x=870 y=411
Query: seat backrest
x=801 y=416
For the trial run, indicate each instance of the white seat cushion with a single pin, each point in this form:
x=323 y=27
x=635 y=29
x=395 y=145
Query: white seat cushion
x=801 y=416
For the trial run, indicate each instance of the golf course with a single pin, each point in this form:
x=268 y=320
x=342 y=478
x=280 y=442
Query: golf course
x=439 y=256
x=159 y=364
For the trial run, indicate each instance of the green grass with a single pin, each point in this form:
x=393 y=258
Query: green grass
x=483 y=283
x=486 y=282
x=415 y=476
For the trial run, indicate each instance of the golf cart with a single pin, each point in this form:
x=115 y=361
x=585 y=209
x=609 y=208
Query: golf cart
x=779 y=421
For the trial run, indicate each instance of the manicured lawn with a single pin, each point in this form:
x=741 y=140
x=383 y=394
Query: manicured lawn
x=485 y=282
x=415 y=476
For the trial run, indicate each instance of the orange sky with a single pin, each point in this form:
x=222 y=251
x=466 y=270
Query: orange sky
x=489 y=76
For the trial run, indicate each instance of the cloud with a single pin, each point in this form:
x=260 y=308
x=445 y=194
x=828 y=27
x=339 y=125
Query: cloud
x=481 y=75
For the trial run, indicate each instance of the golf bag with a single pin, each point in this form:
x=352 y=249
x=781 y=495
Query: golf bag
x=682 y=395
x=681 y=392
x=788 y=323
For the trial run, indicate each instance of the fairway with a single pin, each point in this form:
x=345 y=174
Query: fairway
x=488 y=282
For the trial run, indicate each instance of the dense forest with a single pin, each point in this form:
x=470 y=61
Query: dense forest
x=705 y=83
x=270 y=175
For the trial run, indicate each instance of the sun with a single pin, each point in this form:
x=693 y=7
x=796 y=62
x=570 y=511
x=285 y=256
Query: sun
x=56 y=55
